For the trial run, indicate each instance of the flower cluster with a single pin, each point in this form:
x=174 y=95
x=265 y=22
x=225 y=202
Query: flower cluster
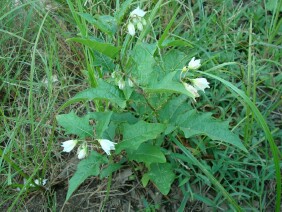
x=82 y=152
x=198 y=84
x=120 y=80
x=136 y=18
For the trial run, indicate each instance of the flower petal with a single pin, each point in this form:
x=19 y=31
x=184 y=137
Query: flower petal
x=200 y=83
x=137 y=12
x=107 y=145
x=131 y=29
x=69 y=145
x=194 y=64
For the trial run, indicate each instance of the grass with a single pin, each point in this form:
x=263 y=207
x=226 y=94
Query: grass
x=33 y=48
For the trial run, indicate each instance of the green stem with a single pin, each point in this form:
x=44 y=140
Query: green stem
x=108 y=185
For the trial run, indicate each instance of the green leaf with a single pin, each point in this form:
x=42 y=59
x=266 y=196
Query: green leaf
x=105 y=23
x=175 y=60
x=147 y=153
x=162 y=176
x=104 y=91
x=145 y=180
x=169 y=113
x=102 y=121
x=86 y=168
x=104 y=48
x=109 y=170
x=169 y=83
x=75 y=125
x=136 y=134
x=143 y=55
x=193 y=123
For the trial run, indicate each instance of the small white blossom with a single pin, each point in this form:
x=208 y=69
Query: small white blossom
x=194 y=64
x=40 y=181
x=69 y=145
x=137 y=12
x=107 y=145
x=82 y=151
x=191 y=90
x=130 y=83
x=131 y=29
x=121 y=84
x=200 y=84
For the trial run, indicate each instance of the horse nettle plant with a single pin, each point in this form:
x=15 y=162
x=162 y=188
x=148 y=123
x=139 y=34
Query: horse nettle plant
x=150 y=94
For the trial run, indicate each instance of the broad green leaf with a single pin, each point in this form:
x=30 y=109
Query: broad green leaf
x=104 y=91
x=124 y=118
x=86 y=168
x=147 y=153
x=143 y=55
x=145 y=179
x=75 y=125
x=120 y=13
x=102 y=121
x=162 y=176
x=110 y=169
x=103 y=61
x=173 y=108
x=105 y=23
x=136 y=134
x=193 y=123
x=104 y=48
x=175 y=60
x=168 y=84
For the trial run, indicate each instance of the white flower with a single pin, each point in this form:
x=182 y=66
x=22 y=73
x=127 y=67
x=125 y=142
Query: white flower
x=121 y=84
x=137 y=12
x=194 y=64
x=82 y=151
x=107 y=145
x=40 y=181
x=69 y=145
x=191 y=90
x=131 y=29
x=139 y=26
x=200 y=83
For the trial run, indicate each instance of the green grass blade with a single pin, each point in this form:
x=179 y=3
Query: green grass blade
x=207 y=173
x=258 y=116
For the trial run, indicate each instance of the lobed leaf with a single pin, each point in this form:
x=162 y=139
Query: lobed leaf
x=104 y=91
x=134 y=135
x=104 y=48
x=147 y=153
x=75 y=125
x=162 y=175
x=86 y=168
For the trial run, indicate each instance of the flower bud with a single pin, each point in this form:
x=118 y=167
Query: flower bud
x=191 y=90
x=131 y=29
x=121 y=84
